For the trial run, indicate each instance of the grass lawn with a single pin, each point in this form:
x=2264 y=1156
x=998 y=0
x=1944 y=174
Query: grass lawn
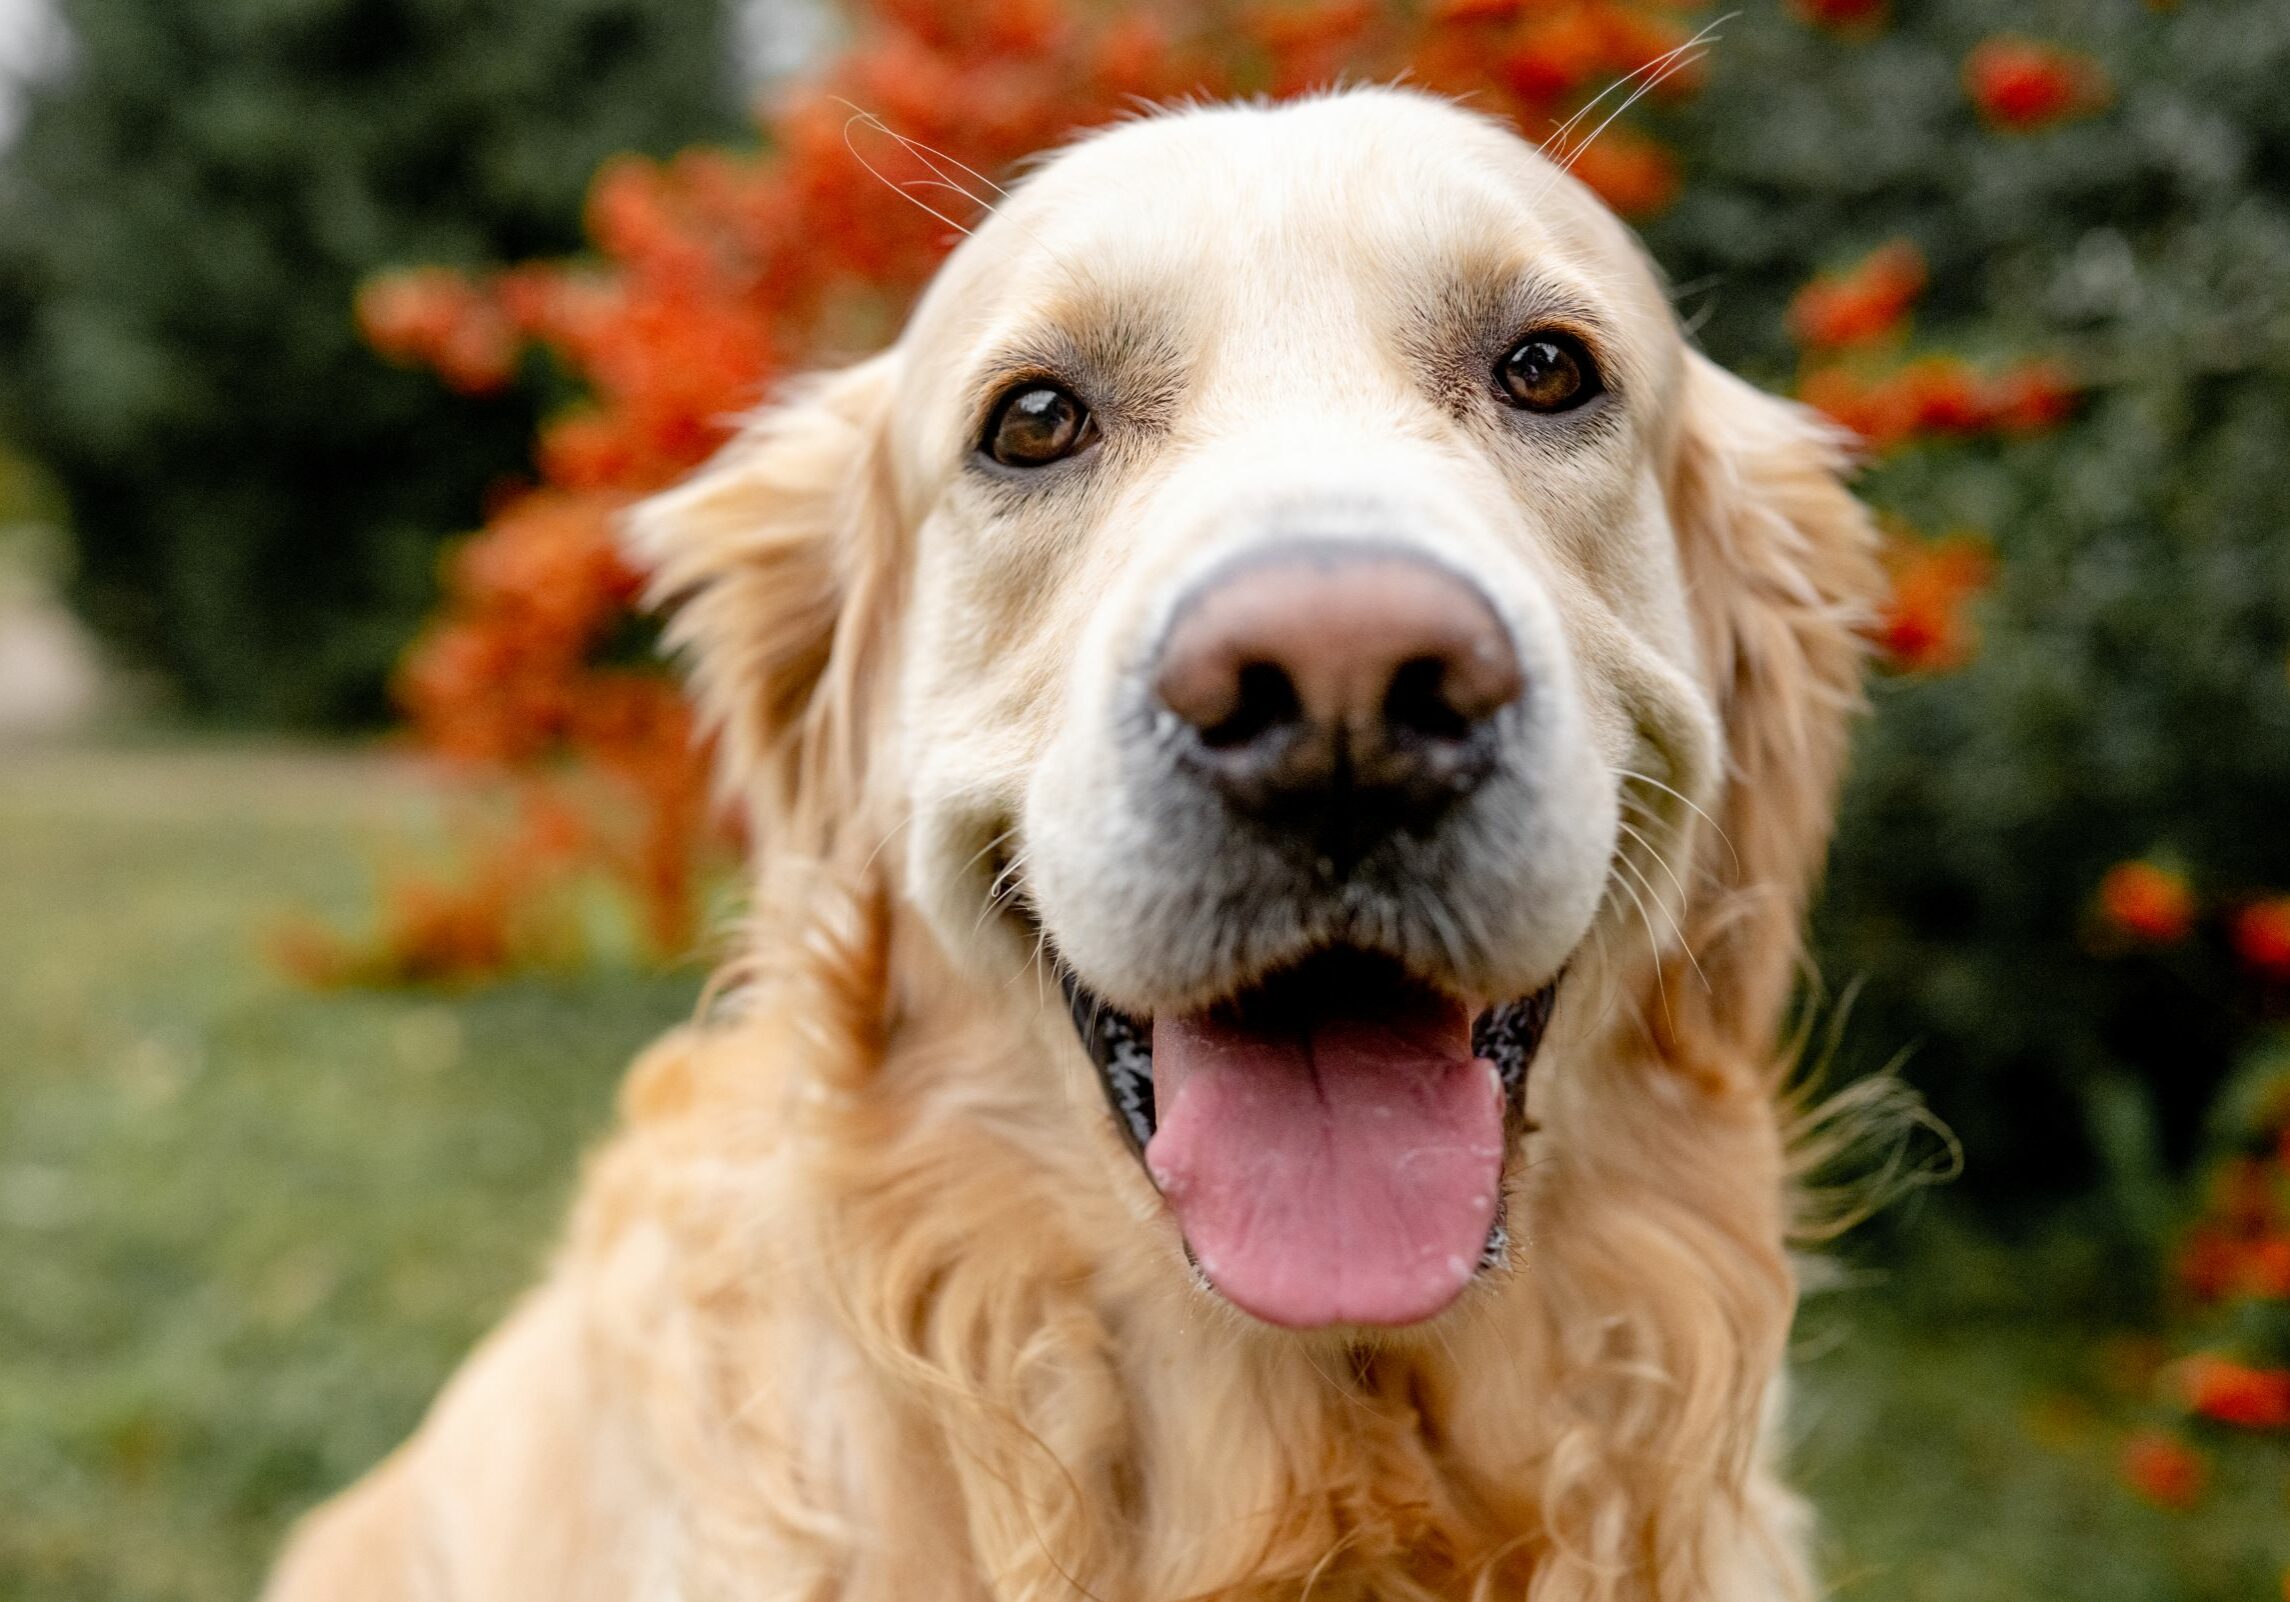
x=245 y=1230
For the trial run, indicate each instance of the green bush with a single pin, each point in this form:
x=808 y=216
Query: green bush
x=2130 y=695
x=258 y=501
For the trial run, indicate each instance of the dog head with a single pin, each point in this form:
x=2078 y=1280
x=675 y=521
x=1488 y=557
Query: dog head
x=1292 y=582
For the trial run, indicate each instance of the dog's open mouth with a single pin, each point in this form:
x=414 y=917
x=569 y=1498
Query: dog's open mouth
x=1332 y=1140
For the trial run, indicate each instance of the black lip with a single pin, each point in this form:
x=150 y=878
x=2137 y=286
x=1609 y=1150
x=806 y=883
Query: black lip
x=1121 y=1048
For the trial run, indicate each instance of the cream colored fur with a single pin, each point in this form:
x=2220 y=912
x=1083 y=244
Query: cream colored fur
x=865 y=1301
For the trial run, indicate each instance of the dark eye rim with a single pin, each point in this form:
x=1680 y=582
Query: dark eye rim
x=1085 y=435
x=1594 y=387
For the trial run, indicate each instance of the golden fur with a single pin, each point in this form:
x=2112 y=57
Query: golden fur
x=864 y=1302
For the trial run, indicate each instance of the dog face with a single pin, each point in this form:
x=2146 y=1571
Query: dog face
x=1292 y=581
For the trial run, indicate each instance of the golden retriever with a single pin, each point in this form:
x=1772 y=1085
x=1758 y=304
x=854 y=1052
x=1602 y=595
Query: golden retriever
x=1289 y=637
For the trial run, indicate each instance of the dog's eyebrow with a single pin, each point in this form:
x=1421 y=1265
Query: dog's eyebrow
x=1038 y=356
x=1466 y=319
x=1119 y=359
x=1503 y=298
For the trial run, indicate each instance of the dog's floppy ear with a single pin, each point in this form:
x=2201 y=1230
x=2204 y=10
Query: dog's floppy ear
x=1782 y=574
x=777 y=563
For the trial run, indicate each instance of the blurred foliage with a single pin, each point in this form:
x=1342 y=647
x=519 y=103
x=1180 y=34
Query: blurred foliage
x=2130 y=694
x=29 y=559
x=25 y=493
x=258 y=502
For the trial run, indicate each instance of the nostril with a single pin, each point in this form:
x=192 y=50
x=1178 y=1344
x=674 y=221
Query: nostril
x=1417 y=702
x=1353 y=690
x=1265 y=699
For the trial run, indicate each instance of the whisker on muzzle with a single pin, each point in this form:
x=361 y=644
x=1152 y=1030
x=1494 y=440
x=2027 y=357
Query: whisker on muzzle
x=1687 y=801
x=1668 y=915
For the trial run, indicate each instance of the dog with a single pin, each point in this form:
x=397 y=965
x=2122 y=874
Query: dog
x=1288 y=722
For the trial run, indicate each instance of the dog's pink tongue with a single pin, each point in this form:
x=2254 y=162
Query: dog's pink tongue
x=1333 y=1171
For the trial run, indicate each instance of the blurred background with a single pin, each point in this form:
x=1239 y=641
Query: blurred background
x=351 y=838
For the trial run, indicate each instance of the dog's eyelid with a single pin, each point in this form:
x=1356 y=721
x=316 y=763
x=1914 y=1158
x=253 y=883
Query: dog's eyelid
x=995 y=387
x=1588 y=332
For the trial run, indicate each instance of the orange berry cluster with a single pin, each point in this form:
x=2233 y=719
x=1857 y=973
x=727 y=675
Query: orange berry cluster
x=2022 y=85
x=2234 y=1270
x=1924 y=627
x=2153 y=904
x=1845 y=320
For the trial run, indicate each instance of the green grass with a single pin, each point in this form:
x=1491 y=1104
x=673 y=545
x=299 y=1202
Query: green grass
x=245 y=1230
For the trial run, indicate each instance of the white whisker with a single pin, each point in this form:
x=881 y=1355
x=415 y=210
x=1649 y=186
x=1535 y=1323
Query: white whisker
x=891 y=834
x=1653 y=940
x=1659 y=860
x=1715 y=826
x=928 y=155
x=1006 y=885
x=1669 y=917
x=885 y=180
x=1641 y=92
x=1659 y=64
x=942 y=179
x=1001 y=839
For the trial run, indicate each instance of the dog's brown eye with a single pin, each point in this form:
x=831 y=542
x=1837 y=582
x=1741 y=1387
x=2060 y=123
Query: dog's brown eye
x=1037 y=425
x=1548 y=372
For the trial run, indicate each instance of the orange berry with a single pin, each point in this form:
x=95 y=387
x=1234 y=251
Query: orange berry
x=2266 y=1268
x=1845 y=16
x=1923 y=628
x=2164 y=1469
x=2032 y=397
x=2229 y=1392
x=2022 y=85
x=2148 y=903
x=2261 y=936
x=1864 y=303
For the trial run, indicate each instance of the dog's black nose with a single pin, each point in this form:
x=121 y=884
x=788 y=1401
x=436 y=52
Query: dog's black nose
x=1339 y=693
